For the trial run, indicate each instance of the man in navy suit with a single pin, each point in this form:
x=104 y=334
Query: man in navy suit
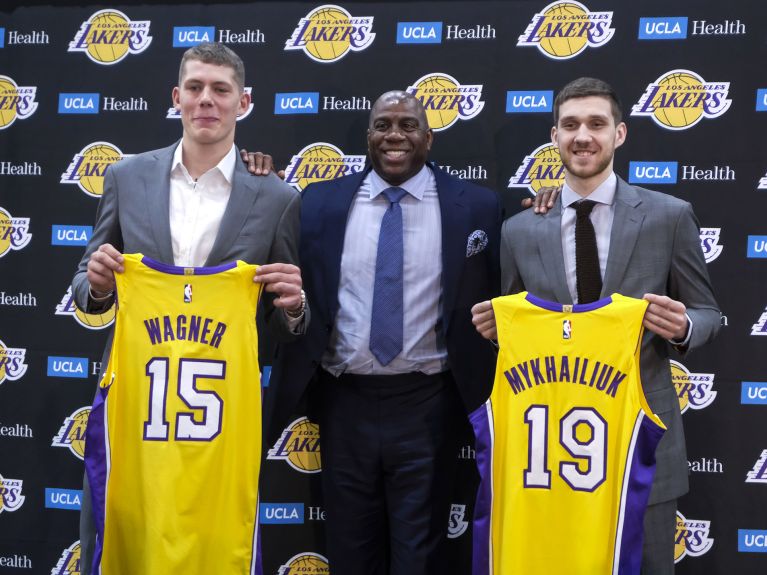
x=390 y=386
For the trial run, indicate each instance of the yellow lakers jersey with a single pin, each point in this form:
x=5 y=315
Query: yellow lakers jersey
x=566 y=442
x=173 y=445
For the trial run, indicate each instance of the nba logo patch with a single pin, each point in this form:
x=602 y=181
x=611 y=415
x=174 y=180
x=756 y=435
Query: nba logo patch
x=567 y=329
x=187 y=293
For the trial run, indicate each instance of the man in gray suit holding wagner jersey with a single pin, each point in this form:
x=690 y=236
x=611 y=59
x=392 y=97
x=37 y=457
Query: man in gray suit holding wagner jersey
x=648 y=246
x=194 y=204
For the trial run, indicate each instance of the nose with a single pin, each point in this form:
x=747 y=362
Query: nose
x=394 y=133
x=583 y=134
x=206 y=96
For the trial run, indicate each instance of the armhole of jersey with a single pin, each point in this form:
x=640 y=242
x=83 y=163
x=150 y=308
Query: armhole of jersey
x=640 y=388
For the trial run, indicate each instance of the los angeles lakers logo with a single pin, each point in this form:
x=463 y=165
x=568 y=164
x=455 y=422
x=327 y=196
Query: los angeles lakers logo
x=446 y=101
x=543 y=167
x=16 y=102
x=305 y=564
x=321 y=161
x=69 y=562
x=457 y=525
x=11 y=498
x=108 y=36
x=72 y=432
x=175 y=114
x=88 y=166
x=691 y=537
x=12 y=362
x=563 y=30
x=695 y=390
x=90 y=320
x=299 y=446
x=709 y=243
x=758 y=473
x=14 y=232
x=329 y=32
x=679 y=99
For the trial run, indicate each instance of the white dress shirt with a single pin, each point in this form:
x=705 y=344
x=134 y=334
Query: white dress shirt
x=423 y=347
x=196 y=208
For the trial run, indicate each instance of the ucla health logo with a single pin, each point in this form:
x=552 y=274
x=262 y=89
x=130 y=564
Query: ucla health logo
x=758 y=473
x=108 y=36
x=760 y=327
x=691 y=537
x=90 y=320
x=72 y=432
x=69 y=562
x=653 y=172
x=328 y=33
x=564 y=29
x=296 y=103
x=680 y=98
x=529 y=101
x=12 y=362
x=299 y=446
x=278 y=513
x=752 y=541
x=188 y=36
x=542 y=167
x=445 y=100
x=75 y=103
x=11 y=498
x=709 y=243
x=16 y=102
x=88 y=166
x=175 y=114
x=694 y=390
x=14 y=232
x=63 y=235
x=59 y=366
x=457 y=523
x=419 y=32
x=56 y=498
x=761 y=100
x=662 y=28
x=757 y=247
x=305 y=564
x=753 y=392
x=319 y=162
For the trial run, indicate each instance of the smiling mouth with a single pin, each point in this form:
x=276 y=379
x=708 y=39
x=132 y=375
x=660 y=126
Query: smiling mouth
x=584 y=153
x=395 y=154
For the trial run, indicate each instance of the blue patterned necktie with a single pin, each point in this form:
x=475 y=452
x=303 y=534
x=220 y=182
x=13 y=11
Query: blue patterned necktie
x=386 y=318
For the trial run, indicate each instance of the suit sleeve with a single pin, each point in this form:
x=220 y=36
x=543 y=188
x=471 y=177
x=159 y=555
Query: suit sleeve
x=285 y=250
x=689 y=281
x=511 y=280
x=106 y=231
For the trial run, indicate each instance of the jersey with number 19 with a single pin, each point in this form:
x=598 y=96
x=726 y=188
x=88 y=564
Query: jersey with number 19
x=173 y=444
x=566 y=442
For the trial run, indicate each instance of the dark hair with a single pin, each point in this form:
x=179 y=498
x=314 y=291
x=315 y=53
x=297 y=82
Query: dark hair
x=584 y=87
x=214 y=53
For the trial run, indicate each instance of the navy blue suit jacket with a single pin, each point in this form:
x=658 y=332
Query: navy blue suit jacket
x=466 y=280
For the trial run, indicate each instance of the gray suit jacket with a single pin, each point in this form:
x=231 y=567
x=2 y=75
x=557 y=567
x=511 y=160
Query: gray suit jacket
x=260 y=224
x=654 y=248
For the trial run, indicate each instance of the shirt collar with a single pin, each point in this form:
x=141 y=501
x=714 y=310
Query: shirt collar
x=225 y=166
x=604 y=193
x=415 y=186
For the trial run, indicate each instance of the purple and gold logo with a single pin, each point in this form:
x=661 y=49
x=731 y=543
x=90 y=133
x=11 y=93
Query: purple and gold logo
x=299 y=447
x=108 y=36
x=446 y=100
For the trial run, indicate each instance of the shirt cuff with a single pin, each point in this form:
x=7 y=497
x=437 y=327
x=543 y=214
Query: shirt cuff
x=99 y=299
x=294 y=322
x=686 y=341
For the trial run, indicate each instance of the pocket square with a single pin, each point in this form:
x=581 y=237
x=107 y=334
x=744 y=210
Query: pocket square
x=477 y=242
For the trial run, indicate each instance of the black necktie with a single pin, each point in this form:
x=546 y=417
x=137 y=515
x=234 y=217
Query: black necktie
x=587 y=272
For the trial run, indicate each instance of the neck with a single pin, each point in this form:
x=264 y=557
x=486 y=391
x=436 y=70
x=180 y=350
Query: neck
x=199 y=158
x=584 y=187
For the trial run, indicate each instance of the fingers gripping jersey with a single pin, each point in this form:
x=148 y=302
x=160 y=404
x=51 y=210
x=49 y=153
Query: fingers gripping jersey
x=566 y=442
x=173 y=445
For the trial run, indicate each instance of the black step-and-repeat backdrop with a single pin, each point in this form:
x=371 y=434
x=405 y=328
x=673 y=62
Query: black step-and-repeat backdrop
x=82 y=87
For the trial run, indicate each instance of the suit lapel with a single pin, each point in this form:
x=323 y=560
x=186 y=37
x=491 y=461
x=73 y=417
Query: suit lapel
x=156 y=182
x=245 y=191
x=627 y=224
x=550 y=252
x=455 y=236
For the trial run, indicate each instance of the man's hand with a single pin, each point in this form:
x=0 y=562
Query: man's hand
x=543 y=200
x=665 y=317
x=259 y=164
x=284 y=280
x=102 y=265
x=483 y=318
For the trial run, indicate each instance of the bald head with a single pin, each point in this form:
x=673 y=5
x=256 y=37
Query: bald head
x=395 y=97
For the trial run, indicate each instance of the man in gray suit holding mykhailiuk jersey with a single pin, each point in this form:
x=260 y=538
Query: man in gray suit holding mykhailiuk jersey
x=647 y=246
x=194 y=204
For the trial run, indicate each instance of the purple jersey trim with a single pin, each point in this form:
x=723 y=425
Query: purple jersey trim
x=483 y=434
x=577 y=308
x=185 y=271
x=96 y=468
x=640 y=470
